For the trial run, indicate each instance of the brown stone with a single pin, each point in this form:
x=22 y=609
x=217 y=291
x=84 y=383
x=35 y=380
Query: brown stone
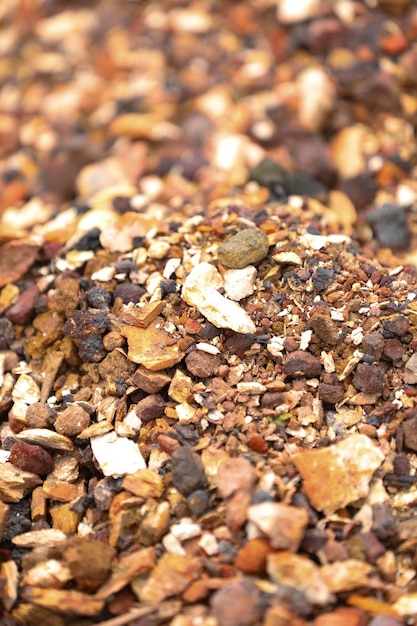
x=72 y=421
x=373 y=344
x=410 y=433
x=301 y=363
x=172 y=574
x=153 y=347
x=16 y=257
x=151 y=382
x=324 y=327
x=89 y=561
x=202 y=364
x=151 y=407
x=330 y=393
x=116 y=367
x=369 y=378
x=237 y=604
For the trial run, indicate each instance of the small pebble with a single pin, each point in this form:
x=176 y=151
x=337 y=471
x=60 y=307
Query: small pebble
x=187 y=471
x=72 y=421
x=369 y=378
x=300 y=363
x=245 y=248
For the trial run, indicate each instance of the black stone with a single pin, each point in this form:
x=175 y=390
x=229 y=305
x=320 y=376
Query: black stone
x=322 y=278
x=390 y=227
x=268 y=173
x=187 y=471
x=89 y=241
x=6 y=333
x=98 y=298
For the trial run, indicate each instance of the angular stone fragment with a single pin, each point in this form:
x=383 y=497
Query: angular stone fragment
x=301 y=363
x=282 y=523
x=410 y=433
x=187 y=471
x=16 y=257
x=410 y=370
x=48 y=574
x=4 y=514
x=61 y=490
x=202 y=364
x=46 y=438
x=369 y=378
x=151 y=407
x=181 y=387
x=346 y=575
x=153 y=347
x=245 y=248
x=145 y=483
x=9 y=577
x=26 y=389
x=117 y=456
x=235 y=476
x=15 y=483
x=251 y=558
x=239 y=284
x=130 y=565
x=172 y=574
x=200 y=290
x=141 y=314
x=151 y=382
x=293 y=570
x=47 y=538
x=66 y=601
x=340 y=474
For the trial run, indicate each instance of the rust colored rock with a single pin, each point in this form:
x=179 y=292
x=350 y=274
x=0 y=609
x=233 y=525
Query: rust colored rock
x=116 y=367
x=23 y=309
x=72 y=421
x=89 y=561
x=245 y=248
x=330 y=393
x=31 y=458
x=202 y=364
x=251 y=558
x=369 y=378
x=344 y=616
x=258 y=444
x=67 y=296
x=16 y=257
x=301 y=363
x=150 y=407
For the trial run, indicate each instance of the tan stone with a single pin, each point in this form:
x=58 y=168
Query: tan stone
x=181 y=387
x=15 y=483
x=145 y=483
x=64 y=600
x=282 y=523
x=340 y=474
x=153 y=347
x=292 y=570
x=172 y=574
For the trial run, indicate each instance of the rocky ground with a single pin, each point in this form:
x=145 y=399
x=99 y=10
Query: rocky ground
x=208 y=313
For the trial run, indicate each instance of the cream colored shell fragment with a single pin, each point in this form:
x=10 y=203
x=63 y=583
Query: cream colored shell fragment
x=200 y=290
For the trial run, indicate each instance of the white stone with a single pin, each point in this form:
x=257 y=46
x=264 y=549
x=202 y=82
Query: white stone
x=239 y=284
x=290 y=12
x=26 y=390
x=200 y=290
x=209 y=544
x=117 y=456
x=317 y=95
x=410 y=371
x=251 y=388
x=186 y=529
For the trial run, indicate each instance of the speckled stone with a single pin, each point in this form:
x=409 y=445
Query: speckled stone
x=245 y=248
